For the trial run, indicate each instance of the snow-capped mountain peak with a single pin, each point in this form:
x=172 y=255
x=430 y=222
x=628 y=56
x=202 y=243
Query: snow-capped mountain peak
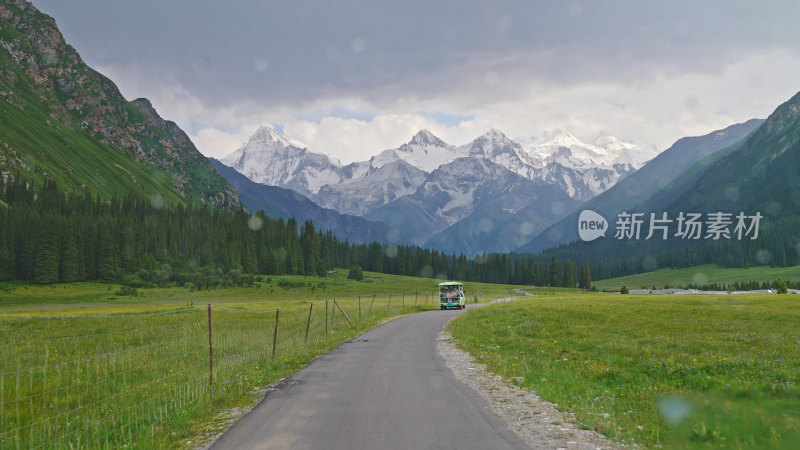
x=491 y=144
x=426 y=138
x=269 y=135
x=565 y=139
x=270 y=158
x=425 y=151
x=557 y=157
x=606 y=151
x=494 y=135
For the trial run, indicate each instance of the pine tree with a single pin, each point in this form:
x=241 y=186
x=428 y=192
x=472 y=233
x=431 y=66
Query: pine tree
x=569 y=274
x=310 y=243
x=69 y=270
x=47 y=253
x=585 y=281
x=554 y=272
x=106 y=264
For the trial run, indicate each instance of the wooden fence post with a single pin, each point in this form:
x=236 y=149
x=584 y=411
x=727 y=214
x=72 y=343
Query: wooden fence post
x=326 y=317
x=333 y=312
x=370 y=305
x=359 y=308
x=308 y=324
x=389 y=305
x=210 y=351
x=404 y=300
x=343 y=313
x=416 y=296
x=275 y=335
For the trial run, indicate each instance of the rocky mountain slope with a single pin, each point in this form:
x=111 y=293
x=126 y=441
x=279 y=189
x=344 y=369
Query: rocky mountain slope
x=280 y=202
x=469 y=187
x=65 y=122
x=379 y=186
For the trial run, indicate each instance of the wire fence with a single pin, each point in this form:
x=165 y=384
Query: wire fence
x=116 y=380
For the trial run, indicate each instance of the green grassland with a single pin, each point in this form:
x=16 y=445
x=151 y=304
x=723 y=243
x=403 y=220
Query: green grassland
x=698 y=275
x=89 y=368
x=270 y=292
x=694 y=371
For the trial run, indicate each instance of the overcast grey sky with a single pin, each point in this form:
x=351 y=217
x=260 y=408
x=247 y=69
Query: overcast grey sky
x=354 y=77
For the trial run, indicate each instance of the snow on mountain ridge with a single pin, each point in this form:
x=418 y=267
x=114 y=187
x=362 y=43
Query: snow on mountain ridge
x=270 y=158
x=606 y=151
x=558 y=158
x=426 y=152
x=377 y=187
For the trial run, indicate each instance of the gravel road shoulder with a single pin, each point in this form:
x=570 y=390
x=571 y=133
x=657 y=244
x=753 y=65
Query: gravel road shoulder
x=539 y=423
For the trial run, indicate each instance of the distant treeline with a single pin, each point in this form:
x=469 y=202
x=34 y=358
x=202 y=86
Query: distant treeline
x=738 y=286
x=778 y=244
x=47 y=236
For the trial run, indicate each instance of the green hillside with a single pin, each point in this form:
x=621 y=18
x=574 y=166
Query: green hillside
x=656 y=184
x=65 y=122
x=761 y=175
x=45 y=149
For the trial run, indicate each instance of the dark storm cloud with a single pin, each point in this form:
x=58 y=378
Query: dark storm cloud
x=293 y=51
x=352 y=76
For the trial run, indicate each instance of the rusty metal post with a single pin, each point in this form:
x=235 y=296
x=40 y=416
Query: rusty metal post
x=275 y=334
x=210 y=350
x=308 y=324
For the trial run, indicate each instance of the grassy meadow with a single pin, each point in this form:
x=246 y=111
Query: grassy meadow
x=658 y=371
x=83 y=367
x=699 y=275
x=270 y=292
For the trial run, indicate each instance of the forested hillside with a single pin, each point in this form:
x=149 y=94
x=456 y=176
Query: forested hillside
x=755 y=177
x=47 y=237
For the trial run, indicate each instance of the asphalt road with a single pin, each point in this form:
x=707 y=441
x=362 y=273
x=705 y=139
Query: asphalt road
x=386 y=389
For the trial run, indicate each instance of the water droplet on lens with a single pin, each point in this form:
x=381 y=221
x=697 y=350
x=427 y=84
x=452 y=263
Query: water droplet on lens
x=157 y=201
x=763 y=257
x=261 y=64
x=255 y=223
x=700 y=279
x=674 y=410
x=526 y=228
x=358 y=45
x=732 y=193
